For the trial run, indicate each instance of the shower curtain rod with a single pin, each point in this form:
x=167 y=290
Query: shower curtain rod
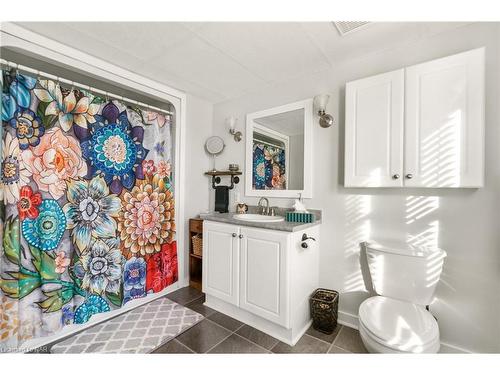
x=107 y=94
x=269 y=143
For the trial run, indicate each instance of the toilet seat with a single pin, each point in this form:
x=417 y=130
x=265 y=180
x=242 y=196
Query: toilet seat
x=398 y=326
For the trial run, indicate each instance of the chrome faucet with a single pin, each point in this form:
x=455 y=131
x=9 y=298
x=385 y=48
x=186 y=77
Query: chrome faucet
x=264 y=210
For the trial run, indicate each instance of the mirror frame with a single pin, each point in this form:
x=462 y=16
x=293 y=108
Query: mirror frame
x=307 y=106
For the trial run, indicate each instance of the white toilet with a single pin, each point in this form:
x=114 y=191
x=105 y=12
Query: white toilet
x=405 y=278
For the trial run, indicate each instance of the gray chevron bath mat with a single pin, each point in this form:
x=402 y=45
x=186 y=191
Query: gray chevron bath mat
x=140 y=330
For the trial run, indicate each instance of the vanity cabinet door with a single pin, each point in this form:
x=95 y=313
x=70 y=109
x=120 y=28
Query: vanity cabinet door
x=264 y=278
x=444 y=122
x=374 y=131
x=221 y=261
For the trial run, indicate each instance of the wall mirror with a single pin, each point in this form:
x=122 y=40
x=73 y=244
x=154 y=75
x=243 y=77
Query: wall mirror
x=279 y=151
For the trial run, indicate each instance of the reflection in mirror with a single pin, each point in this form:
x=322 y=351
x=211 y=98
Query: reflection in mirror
x=278 y=151
x=278 y=145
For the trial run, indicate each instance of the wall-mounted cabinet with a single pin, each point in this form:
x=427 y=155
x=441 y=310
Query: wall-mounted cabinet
x=421 y=126
x=374 y=130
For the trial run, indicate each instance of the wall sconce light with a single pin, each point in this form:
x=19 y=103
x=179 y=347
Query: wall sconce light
x=320 y=101
x=231 y=122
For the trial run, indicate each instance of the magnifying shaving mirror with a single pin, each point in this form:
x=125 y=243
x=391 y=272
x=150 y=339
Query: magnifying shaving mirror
x=214 y=146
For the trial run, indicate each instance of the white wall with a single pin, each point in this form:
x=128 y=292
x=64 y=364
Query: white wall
x=464 y=221
x=296 y=160
x=199 y=116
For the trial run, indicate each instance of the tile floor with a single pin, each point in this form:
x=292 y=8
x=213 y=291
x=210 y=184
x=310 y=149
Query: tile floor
x=219 y=333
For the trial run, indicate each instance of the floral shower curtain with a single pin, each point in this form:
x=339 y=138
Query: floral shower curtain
x=268 y=167
x=86 y=206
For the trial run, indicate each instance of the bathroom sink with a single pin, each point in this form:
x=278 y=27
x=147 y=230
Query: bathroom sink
x=259 y=218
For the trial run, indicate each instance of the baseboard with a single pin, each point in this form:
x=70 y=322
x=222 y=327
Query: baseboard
x=351 y=320
x=347 y=319
x=183 y=282
x=302 y=332
x=452 y=349
x=289 y=336
x=70 y=330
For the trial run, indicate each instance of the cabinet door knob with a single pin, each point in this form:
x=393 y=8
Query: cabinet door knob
x=395 y=176
x=234 y=234
x=240 y=236
x=409 y=176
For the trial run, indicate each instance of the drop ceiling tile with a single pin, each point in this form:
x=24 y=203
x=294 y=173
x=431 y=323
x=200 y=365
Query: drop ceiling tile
x=71 y=36
x=65 y=34
x=161 y=75
x=194 y=26
x=375 y=37
x=275 y=51
x=198 y=62
x=141 y=39
x=364 y=41
x=219 y=61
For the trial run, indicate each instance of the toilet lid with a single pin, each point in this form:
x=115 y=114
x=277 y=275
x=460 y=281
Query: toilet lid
x=397 y=323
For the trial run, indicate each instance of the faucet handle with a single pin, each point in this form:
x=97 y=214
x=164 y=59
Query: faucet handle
x=273 y=211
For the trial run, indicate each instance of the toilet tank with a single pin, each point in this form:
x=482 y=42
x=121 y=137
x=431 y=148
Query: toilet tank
x=404 y=271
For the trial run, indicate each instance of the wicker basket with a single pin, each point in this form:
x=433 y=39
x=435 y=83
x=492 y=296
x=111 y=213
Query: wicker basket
x=324 y=305
x=197 y=244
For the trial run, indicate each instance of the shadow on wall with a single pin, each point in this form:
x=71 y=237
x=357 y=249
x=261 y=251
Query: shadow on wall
x=440 y=166
x=341 y=125
x=358 y=229
x=440 y=153
x=365 y=271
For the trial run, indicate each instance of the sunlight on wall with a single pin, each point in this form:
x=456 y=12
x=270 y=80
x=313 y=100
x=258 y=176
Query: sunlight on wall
x=440 y=154
x=427 y=237
x=419 y=207
x=434 y=267
x=358 y=229
x=422 y=229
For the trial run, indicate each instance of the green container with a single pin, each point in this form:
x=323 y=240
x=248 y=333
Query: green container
x=300 y=217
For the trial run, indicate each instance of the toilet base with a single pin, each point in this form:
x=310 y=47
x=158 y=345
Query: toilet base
x=374 y=346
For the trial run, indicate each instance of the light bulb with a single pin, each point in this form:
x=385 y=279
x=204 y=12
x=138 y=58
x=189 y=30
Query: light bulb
x=231 y=121
x=321 y=102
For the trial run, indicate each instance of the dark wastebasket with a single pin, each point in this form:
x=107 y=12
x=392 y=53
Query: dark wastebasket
x=324 y=306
